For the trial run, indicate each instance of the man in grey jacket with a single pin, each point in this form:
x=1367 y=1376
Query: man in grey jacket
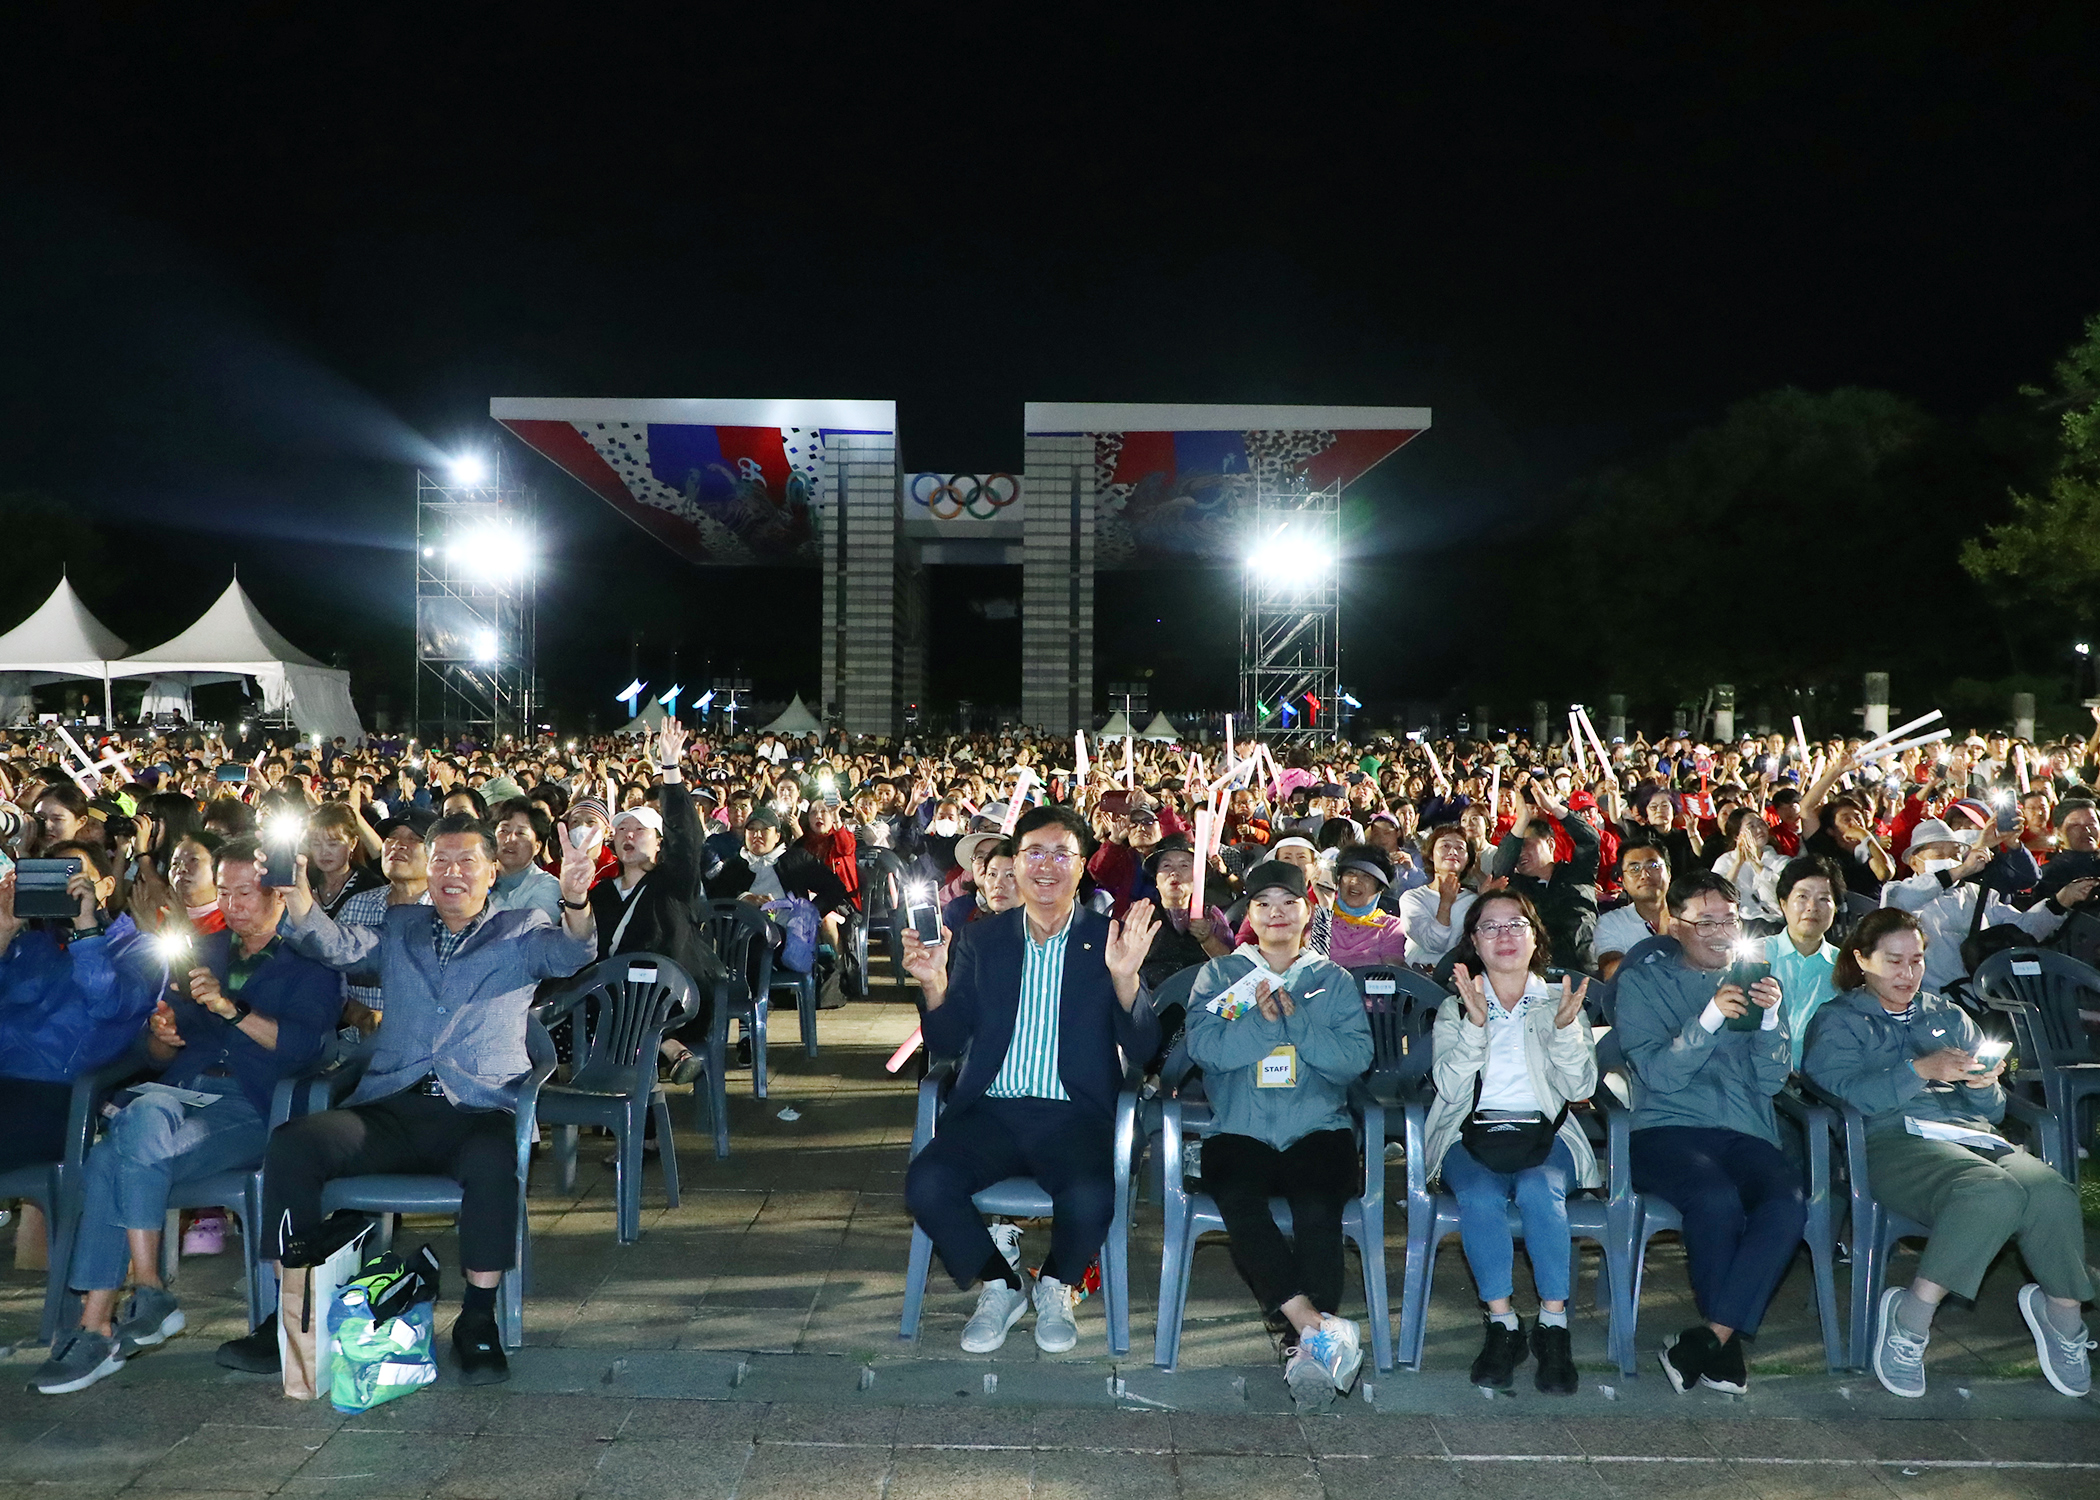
x=1704 y=1135
x=436 y=1096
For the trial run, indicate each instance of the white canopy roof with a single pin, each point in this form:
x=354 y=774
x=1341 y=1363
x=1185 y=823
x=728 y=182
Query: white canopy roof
x=233 y=641
x=1117 y=727
x=795 y=720
x=647 y=719
x=1160 y=729
x=61 y=639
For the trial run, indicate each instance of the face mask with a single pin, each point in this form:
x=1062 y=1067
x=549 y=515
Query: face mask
x=945 y=827
x=1934 y=866
x=1356 y=911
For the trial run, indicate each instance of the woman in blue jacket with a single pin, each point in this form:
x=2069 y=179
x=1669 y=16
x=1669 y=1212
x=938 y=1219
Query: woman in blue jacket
x=73 y=996
x=1280 y=1034
x=1914 y=1064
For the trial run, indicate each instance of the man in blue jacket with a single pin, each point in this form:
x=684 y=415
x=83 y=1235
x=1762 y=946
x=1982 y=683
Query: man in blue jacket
x=1037 y=1002
x=1704 y=1135
x=249 y=1013
x=438 y=1091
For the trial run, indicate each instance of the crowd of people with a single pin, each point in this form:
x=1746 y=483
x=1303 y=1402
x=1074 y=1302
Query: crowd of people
x=237 y=913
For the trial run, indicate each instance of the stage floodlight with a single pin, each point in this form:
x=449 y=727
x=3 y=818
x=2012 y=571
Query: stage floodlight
x=1286 y=555
x=468 y=470
x=491 y=552
x=485 y=646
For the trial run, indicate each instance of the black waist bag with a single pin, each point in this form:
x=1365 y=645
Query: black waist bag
x=1509 y=1143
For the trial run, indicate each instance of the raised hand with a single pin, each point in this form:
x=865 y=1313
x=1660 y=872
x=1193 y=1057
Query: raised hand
x=1128 y=942
x=1570 y=1002
x=670 y=743
x=928 y=964
x=1473 y=992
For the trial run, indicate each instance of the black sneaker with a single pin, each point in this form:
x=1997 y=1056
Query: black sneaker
x=479 y=1349
x=1556 y=1360
x=1725 y=1369
x=1686 y=1360
x=1496 y=1368
x=256 y=1352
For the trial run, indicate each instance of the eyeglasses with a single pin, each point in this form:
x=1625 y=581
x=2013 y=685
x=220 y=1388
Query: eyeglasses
x=1644 y=867
x=1057 y=857
x=1501 y=929
x=1710 y=926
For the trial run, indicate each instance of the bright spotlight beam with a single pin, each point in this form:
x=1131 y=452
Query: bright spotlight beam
x=469 y=470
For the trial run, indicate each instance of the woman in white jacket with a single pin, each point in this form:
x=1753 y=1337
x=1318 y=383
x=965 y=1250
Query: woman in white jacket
x=1432 y=915
x=1752 y=866
x=1508 y=1049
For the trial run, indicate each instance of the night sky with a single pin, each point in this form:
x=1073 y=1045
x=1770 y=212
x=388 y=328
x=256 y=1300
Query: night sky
x=256 y=266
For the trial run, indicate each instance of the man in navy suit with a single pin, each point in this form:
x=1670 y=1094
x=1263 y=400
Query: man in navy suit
x=1037 y=1000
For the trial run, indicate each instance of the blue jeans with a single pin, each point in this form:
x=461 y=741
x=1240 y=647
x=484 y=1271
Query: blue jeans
x=152 y=1144
x=1541 y=1193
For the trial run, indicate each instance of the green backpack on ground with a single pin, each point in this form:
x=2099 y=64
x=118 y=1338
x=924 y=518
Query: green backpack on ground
x=379 y=1330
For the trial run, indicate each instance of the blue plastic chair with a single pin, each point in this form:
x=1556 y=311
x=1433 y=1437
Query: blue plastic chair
x=384 y=1195
x=2045 y=995
x=1648 y=1214
x=744 y=937
x=1023 y=1198
x=1876 y=1227
x=628 y=1002
x=58 y=1187
x=1433 y=1216
x=1192 y=1213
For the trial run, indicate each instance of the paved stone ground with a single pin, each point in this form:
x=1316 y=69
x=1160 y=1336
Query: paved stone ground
x=748 y=1346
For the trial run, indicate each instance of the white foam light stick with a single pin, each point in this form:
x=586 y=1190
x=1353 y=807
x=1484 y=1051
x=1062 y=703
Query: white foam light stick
x=1129 y=764
x=1231 y=755
x=1883 y=752
x=1801 y=738
x=1596 y=743
x=1575 y=742
x=1435 y=768
x=1873 y=746
x=1080 y=768
x=1202 y=860
x=1013 y=806
x=1494 y=796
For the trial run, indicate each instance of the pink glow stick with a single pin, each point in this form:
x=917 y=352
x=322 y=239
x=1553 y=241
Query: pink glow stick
x=903 y=1054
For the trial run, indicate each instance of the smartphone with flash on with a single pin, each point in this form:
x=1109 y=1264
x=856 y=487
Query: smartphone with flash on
x=922 y=914
x=1747 y=965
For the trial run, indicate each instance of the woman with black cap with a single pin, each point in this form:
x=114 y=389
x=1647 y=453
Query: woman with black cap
x=1280 y=1034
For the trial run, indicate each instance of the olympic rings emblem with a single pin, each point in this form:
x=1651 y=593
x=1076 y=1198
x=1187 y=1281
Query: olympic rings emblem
x=957 y=495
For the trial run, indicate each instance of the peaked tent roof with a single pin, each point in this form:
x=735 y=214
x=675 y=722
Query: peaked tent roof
x=231 y=633
x=60 y=637
x=1117 y=727
x=1160 y=729
x=647 y=719
x=795 y=720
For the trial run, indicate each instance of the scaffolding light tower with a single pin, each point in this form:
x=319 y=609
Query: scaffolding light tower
x=477 y=580
x=1290 y=612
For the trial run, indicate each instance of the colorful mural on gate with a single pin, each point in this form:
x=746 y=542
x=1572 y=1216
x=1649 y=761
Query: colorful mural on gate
x=741 y=482
x=1167 y=497
x=735 y=482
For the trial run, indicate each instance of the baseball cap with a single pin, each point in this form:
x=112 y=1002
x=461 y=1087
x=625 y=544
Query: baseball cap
x=1272 y=874
x=416 y=820
x=762 y=816
x=649 y=817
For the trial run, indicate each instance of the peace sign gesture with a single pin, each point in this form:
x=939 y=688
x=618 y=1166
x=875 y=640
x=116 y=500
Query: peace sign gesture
x=1570 y=1002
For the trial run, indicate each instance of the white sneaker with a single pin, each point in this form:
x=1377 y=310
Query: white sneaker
x=1337 y=1347
x=999 y=1307
x=1311 y=1385
x=1056 y=1331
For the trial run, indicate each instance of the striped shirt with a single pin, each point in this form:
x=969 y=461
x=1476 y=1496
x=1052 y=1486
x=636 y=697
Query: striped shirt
x=1030 y=1068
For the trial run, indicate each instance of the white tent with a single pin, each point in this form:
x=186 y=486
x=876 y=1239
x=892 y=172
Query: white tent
x=60 y=640
x=795 y=721
x=233 y=641
x=648 y=720
x=1160 y=729
x=1117 y=727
